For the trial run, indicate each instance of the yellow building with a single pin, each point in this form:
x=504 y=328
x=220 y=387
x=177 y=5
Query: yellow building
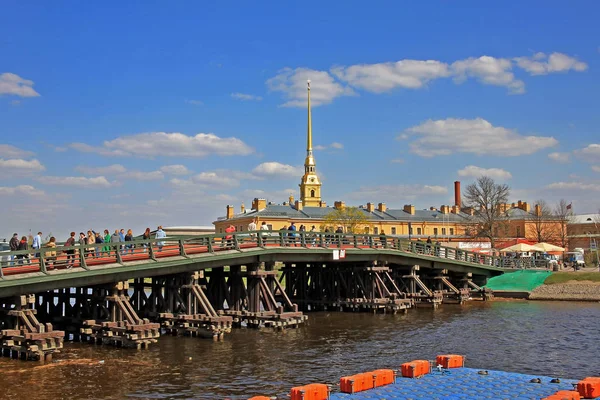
x=445 y=223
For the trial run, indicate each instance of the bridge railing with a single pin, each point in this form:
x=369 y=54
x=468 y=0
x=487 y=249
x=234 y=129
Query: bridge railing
x=89 y=256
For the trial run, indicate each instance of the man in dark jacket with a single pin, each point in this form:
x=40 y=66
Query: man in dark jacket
x=14 y=246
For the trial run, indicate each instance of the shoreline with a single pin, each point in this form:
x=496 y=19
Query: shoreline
x=587 y=291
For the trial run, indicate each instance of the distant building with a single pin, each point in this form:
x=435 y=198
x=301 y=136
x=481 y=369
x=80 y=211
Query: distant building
x=583 y=231
x=448 y=223
x=445 y=223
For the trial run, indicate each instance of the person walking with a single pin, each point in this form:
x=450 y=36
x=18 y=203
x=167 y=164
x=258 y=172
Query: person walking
x=71 y=252
x=313 y=235
x=383 y=239
x=160 y=234
x=98 y=240
x=37 y=243
x=14 y=246
x=429 y=244
x=251 y=229
x=91 y=239
x=106 y=249
x=146 y=237
x=302 y=231
x=51 y=255
x=129 y=238
x=23 y=245
x=292 y=234
x=115 y=238
x=229 y=237
x=264 y=227
x=122 y=236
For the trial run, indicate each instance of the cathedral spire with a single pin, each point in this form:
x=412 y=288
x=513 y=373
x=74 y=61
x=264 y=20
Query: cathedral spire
x=310 y=185
x=309 y=128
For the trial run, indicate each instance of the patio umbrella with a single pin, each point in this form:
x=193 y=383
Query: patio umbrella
x=547 y=247
x=519 y=247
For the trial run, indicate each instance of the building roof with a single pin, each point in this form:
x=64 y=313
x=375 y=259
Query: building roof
x=289 y=212
x=585 y=219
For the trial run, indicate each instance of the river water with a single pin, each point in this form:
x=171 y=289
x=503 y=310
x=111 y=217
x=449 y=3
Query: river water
x=546 y=338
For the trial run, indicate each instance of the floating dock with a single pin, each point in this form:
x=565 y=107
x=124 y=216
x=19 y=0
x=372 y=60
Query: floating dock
x=464 y=383
x=446 y=379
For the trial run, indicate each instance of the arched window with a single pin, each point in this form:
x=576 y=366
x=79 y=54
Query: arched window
x=312 y=193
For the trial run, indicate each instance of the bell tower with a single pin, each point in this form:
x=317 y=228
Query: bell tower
x=310 y=186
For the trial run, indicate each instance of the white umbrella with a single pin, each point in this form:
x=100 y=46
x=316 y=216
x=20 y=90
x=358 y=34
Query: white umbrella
x=518 y=248
x=546 y=247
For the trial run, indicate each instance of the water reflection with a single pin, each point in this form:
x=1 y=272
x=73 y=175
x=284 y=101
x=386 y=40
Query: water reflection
x=539 y=338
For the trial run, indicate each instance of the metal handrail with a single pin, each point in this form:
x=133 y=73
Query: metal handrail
x=89 y=255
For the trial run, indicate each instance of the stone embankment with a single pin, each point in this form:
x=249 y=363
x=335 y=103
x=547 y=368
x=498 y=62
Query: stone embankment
x=571 y=290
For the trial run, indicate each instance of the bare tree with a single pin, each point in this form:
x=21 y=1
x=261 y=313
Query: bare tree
x=486 y=197
x=563 y=214
x=351 y=219
x=544 y=222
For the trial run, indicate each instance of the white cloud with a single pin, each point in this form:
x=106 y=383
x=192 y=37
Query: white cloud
x=176 y=169
x=97 y=182
x=395 y=192
x=13 y=84
x=382 y=77
x=590 y=153
x=575 y=186
x=276 y=169
x=215 y=179
x=21 y=190
x=142 y=175
x=168 y=145
x=561 y=158
x=596 y=168
x=334 y=146
x=20 y=166
x=488 y=70
x=245 y=97
x=292 y=83
x=10 y=151
x=477 y=136
x=475 y=172
x=542 y=64
x=113 y=169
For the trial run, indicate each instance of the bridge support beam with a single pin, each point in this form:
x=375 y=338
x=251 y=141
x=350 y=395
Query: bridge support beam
x=189 y=312
x=418 y=291
x=451 y=293
x=125 y=328
x=475 y=290
x=23 y=336
x=256 y=304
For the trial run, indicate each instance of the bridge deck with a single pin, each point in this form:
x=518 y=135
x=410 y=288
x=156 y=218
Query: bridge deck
x=26 y=271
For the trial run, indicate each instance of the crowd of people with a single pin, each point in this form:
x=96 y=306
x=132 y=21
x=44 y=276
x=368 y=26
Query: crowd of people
x=117 y=241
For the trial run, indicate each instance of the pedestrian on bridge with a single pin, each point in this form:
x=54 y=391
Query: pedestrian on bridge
x=106 y=249
x=160 y=234
x=71 y=252
x=98 y=240
x=129 y=238
x=116 y=238
x=146 y=236
x=23 y=245
x=14 y=246
x=51 y=255
x=91 y=239
x=37 y=242
x=251 y=229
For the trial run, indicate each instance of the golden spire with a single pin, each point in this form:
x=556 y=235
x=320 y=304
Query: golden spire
x=309 y=129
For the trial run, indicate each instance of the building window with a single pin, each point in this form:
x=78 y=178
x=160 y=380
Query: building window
x=518 y=231
x=220 y=230
x=419 y=231
x=270 y=227
x=241 y=228
x=435 y=231
x=312 y=193
x=393 y=230
x=375 y=231
x=410 y=230
x=367 y=230
x=452 y=231
x=443 y=231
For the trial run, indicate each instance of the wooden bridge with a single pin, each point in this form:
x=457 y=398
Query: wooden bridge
x=124 y=293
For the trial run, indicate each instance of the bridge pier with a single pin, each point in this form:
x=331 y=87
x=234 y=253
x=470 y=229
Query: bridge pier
x=254 y=303
x=125 y=328
x=475 y=290
x=418 y=291
x=179 y=303
x=451 y=294
x=23 y=336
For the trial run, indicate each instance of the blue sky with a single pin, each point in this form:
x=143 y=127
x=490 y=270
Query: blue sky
x=152 y=113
